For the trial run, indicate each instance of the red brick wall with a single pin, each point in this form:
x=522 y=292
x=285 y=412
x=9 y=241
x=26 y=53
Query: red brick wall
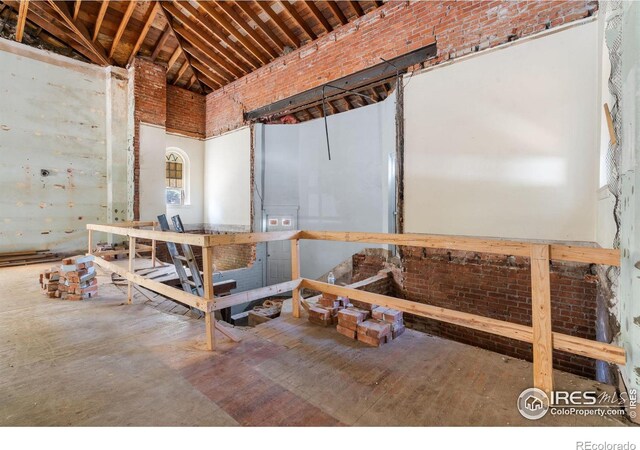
x=185 y=112
x=392 y=30
x=179 y=110
x=500 y=288
x=150 y=96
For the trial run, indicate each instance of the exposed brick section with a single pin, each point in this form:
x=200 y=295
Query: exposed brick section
x=367 y=265
x=185 y=112
x=389 y=31
x=499 y=287
x=150 y=96
x=225 y=257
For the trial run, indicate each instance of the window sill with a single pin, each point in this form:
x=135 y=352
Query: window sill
x=179 y=206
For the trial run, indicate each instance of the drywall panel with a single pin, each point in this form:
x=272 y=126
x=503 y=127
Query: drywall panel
x=192 y=149
x=350 y=192
x=505 y=143
x=64 y=143
x=153 y=144
x=227 y=180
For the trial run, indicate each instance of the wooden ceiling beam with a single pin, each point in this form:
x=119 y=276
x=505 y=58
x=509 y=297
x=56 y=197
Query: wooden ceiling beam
x=227 y=8
x=161 y=43
x=122 y=26
x=100 y=18
x=200 y=59
x=200 y=38
x=174 y=57
x=179 y=49
x=76 y=8
x=258 y=57
x=56 y=28
x=291 y=10
x=246 y=7
x=315 y=11
x=356 y=8
x=22 y=19
x=152 y=12
x=181 y=72
x=191 y=81
x=81 y=31
x=337 y=12
x=266 y=7
x=212 y=80
x=227 y=70
x=231 y=50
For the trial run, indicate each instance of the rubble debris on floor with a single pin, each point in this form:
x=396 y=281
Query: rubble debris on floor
x=270 y=309
x=74 y=279
x=370 y=324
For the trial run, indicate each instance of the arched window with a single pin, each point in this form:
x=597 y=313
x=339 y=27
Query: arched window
x=176 y=177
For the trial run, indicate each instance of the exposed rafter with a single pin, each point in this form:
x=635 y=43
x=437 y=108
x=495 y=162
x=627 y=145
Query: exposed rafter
x=319 y=16
x=206 y=44
x=266 y=7
x=22 y=19
x=81 y=31
x=248 y=46
x=100 y=18
x=246 y=7
x=337 y=12
x=291 y=10
x=76 y=8
x=179 y=49
x=227 y=7
x=150 y=15
x=206 y=41
x=161 y=42
x=122 y=26
x=218 y=63
x=356 y=8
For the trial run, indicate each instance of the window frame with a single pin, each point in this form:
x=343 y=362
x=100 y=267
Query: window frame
x=185 y=199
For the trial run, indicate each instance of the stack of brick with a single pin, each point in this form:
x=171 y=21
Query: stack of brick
x=325 y=312
x=49 y=281
x=371 y=324
x=77 y=278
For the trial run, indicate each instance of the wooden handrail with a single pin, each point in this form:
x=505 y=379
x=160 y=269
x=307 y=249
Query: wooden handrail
x=540 y=335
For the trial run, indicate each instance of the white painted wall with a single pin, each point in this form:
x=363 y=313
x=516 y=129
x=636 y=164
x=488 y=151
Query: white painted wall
x=71 y=119
x=192 y=212
x=227 y=180
x=350 y=192
x=154 y=143
x=505 y=143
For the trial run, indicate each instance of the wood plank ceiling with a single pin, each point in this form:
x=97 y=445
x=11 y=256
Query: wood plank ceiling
x=204 y=44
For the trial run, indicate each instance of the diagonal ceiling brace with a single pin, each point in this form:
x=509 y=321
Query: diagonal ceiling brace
x=81 y=31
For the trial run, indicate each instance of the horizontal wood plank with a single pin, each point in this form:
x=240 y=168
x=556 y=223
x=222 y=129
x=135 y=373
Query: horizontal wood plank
x=254 y=294
x=578 y=346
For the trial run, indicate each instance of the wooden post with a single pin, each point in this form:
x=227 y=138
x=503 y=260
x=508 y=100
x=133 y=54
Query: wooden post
x=132 y=255
x=90 y=242
x=295 y=274
x=153 y=248
x=207 y=279
x=541 y=319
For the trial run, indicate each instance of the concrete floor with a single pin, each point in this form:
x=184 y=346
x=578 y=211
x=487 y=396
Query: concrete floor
x=102 y=362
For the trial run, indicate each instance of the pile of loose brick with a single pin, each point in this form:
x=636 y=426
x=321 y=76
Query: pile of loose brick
x=75 y=279
x=371 y=324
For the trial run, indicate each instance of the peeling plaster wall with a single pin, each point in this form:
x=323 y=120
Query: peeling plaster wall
x=629 y=294
x=71 y=120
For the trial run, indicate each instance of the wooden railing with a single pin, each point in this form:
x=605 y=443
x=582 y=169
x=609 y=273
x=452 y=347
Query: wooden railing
x=540 y=334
